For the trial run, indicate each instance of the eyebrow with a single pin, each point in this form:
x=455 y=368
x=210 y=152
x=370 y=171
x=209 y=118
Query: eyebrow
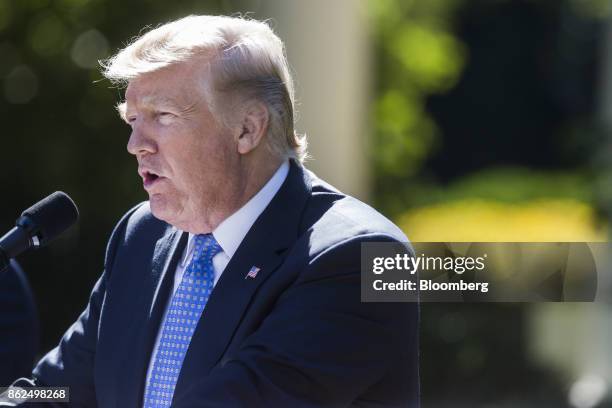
x=159 y=100
x=147 y=100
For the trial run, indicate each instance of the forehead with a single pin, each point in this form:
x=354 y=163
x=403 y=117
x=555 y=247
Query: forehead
x=176 y=84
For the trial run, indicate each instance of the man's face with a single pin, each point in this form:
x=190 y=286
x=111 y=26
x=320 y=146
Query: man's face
x=188 y=161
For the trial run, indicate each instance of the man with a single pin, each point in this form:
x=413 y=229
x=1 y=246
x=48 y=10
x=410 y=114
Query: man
x=238 y=282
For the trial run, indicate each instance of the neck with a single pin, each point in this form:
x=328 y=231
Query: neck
x=258 y=176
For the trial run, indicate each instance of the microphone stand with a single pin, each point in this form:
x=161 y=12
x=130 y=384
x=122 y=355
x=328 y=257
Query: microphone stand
x=17 y=240
x=5 y=261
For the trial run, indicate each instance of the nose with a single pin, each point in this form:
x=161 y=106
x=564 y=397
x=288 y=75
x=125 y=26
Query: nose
x=140 y=141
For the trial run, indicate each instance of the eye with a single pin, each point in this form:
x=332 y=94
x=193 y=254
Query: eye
x=128 y=117
x=165 y=118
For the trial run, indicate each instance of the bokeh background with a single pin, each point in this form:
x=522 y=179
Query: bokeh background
x=462 y=120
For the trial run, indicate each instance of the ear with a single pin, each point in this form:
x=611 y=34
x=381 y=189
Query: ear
x=254 y=127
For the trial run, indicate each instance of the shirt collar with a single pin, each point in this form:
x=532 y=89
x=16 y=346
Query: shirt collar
x=230 y=233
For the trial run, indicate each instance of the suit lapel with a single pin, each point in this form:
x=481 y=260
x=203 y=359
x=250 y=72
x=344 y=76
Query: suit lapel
x=165 y=258
x=165 y=247
x=263 y=247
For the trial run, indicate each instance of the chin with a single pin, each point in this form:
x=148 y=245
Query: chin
x=162 y=209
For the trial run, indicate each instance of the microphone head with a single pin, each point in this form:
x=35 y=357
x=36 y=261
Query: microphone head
x=49 y=217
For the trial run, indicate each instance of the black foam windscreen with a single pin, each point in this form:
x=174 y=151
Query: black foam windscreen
x=52 y=215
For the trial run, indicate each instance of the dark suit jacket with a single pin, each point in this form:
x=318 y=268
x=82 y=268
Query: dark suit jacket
x=19 y=327
x=296 y=335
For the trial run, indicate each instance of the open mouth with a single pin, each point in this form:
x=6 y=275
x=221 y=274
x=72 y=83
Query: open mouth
x=149 y=178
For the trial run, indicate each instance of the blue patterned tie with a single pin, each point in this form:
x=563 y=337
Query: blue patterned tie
x=182 y=317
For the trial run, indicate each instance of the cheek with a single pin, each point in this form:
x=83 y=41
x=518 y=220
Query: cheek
x=191 y=167
x=177 y=150
x=216 y=151
x=198 y=160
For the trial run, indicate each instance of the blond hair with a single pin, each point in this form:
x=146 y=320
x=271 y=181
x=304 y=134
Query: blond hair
x=246 y=58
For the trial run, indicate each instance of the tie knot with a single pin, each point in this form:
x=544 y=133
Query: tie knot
x=206 y=247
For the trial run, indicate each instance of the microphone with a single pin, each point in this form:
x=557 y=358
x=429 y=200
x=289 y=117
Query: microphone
x=38 y=225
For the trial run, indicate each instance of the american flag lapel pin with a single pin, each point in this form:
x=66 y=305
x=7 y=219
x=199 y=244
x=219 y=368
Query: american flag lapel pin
x=252 y=272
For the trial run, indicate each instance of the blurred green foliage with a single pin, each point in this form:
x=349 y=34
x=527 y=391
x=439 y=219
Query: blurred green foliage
x=417 y=56
x=423 y=53
x=509 y=185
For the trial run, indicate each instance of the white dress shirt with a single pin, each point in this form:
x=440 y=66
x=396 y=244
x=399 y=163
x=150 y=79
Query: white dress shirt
x=229 y=234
